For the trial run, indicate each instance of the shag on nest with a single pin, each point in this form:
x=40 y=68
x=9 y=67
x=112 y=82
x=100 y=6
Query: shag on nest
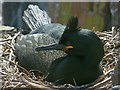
x=84 y=52
x=83 y=48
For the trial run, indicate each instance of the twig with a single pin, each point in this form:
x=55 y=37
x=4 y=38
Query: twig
x=101 y=83
x=34 y=84
x=23 y=69
x=4 y=40
x=13 y=40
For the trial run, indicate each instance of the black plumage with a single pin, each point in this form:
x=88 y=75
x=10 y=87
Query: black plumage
x=81 y=65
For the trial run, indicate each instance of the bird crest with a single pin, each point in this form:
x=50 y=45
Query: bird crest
x=72 y=24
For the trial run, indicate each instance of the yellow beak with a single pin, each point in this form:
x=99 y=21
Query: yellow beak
x=68 y=47
x=54 y=47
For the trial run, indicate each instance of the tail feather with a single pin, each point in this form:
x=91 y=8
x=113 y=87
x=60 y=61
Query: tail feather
x=35 y=17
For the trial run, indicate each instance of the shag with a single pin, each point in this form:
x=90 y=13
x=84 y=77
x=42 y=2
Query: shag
x=84 y=52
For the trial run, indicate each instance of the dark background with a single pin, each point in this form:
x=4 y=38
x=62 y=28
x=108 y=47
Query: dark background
x=98 y=16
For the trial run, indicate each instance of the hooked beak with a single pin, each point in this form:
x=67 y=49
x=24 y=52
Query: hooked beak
x=54 y=47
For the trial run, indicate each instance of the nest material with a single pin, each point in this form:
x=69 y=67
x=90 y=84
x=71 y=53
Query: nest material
x=15 y=76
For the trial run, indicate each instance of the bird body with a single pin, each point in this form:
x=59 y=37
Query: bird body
x=73 y=70
x=81 y=65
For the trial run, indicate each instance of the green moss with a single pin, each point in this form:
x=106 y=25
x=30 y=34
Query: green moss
x=96 y=20
x=65 y=12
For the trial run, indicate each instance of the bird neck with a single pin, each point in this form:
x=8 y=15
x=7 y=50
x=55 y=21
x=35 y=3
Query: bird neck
x=87 y=58
x=74 y=52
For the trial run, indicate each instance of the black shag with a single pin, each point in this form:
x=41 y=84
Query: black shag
x=84 y=52
x=83 y=48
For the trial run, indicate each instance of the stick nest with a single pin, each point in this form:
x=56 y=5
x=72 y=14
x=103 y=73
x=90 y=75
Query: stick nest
x=14 y=76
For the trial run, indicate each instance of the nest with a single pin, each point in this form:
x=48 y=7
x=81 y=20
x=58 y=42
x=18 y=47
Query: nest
x=14 y=76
